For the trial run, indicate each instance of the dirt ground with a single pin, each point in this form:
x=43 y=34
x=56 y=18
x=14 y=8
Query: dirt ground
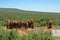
x=23 y=31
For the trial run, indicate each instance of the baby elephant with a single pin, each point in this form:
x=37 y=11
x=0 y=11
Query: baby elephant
x=49 y=24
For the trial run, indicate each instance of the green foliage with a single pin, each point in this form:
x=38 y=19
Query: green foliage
x=43 y=23
x=37 y=35
x=8 y=35
x=13 y=35
x=57 y=38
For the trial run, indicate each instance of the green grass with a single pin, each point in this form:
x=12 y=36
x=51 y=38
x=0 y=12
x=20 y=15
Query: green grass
x=57 y=38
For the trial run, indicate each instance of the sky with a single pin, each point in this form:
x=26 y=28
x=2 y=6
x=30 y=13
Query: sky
x=32 y=5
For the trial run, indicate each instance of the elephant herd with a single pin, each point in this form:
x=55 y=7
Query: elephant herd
x=19 y=24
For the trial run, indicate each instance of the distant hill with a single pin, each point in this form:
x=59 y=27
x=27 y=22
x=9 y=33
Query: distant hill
x=14 y=10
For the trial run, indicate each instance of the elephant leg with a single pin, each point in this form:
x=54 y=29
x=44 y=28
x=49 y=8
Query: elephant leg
x=7 y=26
x=32 y=27
x=26 y=26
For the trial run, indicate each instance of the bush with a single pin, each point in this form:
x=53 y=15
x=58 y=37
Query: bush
x=41 y=35
x=13 y=35
x=8 y=35
x=43 y=23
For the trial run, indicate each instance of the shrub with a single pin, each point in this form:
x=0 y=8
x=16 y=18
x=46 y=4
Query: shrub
x=43 y=23
x=38 y=35
x=41 y=35
x=8 y=35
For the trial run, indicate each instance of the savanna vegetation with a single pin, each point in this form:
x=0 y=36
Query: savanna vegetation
x=40 y=19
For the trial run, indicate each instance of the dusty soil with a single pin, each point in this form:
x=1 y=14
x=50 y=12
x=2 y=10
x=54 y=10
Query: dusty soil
x=23 y=31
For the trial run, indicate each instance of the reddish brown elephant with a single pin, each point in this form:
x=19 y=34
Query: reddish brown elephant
x=14 y=24
x=9 y=24
x=49 y=24
x=31 y=23
x=18 y=24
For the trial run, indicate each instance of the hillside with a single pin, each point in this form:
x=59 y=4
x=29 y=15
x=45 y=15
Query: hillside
x=13 y=10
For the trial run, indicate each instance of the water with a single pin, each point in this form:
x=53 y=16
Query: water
x=55 y=32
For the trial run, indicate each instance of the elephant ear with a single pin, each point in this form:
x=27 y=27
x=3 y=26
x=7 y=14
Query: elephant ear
x=50 y=22
x=32 y=21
